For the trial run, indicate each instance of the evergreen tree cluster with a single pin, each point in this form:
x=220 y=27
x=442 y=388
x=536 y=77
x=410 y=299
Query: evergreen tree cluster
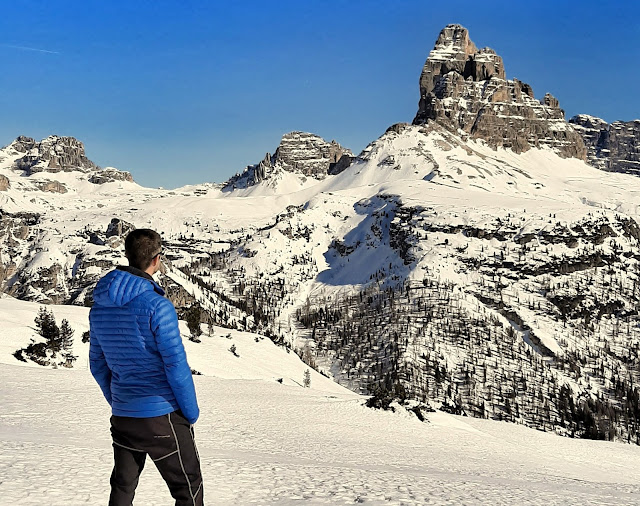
x=58 y=341
x=438 y=347
x=193 y=316
x=477 y=345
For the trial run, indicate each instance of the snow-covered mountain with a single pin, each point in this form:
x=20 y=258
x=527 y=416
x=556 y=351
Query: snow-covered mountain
x=263 y=438
x=472 y=259
x=465 y=89
x=301 y=159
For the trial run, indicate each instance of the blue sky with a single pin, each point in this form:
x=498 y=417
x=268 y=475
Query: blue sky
x=189 y=92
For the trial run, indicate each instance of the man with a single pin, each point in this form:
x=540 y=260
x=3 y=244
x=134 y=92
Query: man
x=137 y=358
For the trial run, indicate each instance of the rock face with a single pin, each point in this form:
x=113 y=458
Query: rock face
x=299 y=152
x=119 y=227
x=51 y=186
x=110 y=175
x=465 y=88
x=455 y=52
x=53 y=154
x=24 y=144
x=612 y=147
x=4 y=183
x=57 y=154
x=309 y=154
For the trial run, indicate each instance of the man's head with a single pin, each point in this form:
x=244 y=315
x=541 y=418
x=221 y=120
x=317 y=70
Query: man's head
x=142 y=248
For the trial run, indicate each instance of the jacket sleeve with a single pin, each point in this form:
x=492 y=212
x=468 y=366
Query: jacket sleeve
x=164 y=325
x=99 y=367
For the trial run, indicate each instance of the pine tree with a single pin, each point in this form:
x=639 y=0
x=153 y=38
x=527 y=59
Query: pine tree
x=66 y=336
x=307 y=357
x=66 y=342
x=48 y=328
x=307 y=379
x=193 y=322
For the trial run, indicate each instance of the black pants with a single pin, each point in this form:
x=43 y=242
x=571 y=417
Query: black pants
x=169 y=441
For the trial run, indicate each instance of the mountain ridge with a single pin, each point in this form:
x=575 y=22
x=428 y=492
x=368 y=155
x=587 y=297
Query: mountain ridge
x=486 y=280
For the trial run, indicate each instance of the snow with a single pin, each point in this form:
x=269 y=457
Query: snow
x=265 y=442
x=259 y=358
x=271 y=444
x=425 y=167
x=589 y=118
x=263 y=437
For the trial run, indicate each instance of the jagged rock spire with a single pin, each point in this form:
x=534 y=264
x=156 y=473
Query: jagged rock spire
x=465 y=89
x=454 y=51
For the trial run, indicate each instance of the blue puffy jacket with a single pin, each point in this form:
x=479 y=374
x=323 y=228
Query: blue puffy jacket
x=136 y=353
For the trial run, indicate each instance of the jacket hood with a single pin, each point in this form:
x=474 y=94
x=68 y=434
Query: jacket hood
x=119 y=287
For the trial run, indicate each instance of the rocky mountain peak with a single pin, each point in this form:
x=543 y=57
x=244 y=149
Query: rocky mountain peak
x=455 y=51
x=52 y=154
x=57 y=154
x=309 y=154
x=301 y=153
x=23 y=144
x=465 y=89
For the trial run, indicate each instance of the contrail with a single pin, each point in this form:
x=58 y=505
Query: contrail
x=24 y=48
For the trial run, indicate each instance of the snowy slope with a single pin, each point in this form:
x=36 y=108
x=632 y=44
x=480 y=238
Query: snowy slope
x=271 y=443
x=539 y=249
x=265 y=443
x=532 y=243
x=258 y=358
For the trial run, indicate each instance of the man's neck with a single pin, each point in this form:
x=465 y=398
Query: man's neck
x=135 y=271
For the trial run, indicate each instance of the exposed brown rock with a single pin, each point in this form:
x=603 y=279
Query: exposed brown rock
x=612 y=147
x=465 y=89
x=57 y=154
x=51 y=186
x=337 y=167
x=119 y=227
x=308 y=154
x=110 y=175
x=299 y=152
x=53 y=154
x=42 y=286
x=24 y=144
x=398 y=128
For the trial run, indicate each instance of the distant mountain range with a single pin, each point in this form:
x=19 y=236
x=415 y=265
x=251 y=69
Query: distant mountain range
x=479 y=259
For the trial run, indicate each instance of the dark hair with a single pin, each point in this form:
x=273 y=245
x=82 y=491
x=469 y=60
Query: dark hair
x=141 y=246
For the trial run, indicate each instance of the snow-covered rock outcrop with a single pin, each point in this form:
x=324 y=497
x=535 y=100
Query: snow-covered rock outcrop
x=472 y=260
x=299 y=153
x=56 y=154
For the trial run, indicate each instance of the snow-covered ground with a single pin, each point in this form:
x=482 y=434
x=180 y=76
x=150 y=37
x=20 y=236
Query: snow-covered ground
x=265 y=442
